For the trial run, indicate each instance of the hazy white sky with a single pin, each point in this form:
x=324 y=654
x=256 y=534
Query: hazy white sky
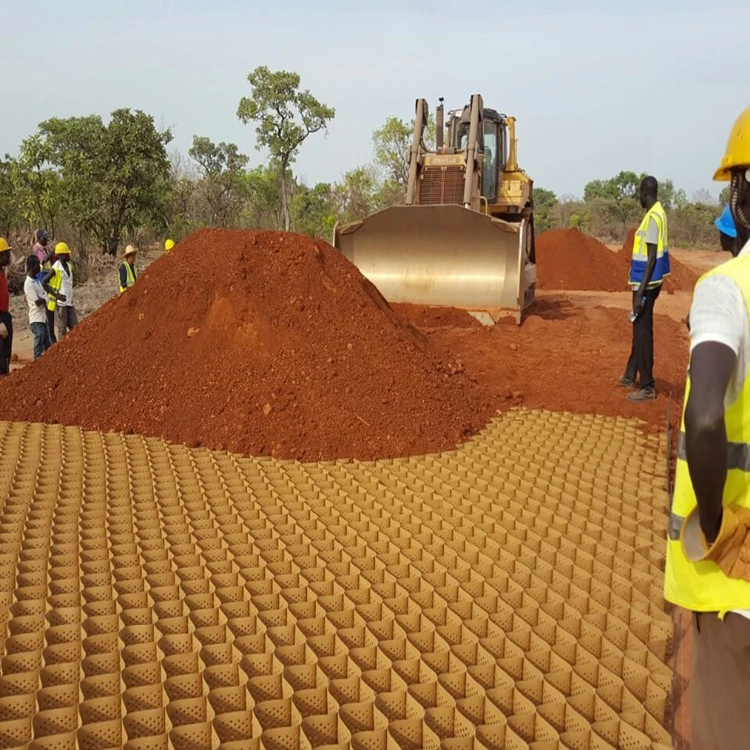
x=596 y=86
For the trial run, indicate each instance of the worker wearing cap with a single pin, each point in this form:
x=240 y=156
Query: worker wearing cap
x=168 y=245
x=46 y=255
x=727 y=232
x=6 y=319
x=708 y=547
x=648 y=268
x=128 y=272
x=40 y=248
x=62 y=282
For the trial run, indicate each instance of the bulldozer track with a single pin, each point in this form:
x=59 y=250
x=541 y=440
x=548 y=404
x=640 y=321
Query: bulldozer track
x=503 y=595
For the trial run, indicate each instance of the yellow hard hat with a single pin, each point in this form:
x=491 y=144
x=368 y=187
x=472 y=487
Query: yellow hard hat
x=61 y=248
x=130 y=250
x=738 y=148
x=168 y=245
x=4 y=245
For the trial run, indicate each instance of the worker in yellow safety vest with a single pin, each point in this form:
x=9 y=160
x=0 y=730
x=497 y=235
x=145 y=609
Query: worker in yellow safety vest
x=649 y=266
x=708 y=547
x=128 y=271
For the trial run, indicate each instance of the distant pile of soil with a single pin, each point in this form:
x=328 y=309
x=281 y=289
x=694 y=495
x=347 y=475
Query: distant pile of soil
x=681 y=279
x=261 y=343
x=569 y=259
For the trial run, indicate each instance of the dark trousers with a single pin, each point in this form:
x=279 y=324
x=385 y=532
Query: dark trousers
x=6 y=344
x=720 y=683
x=641 y=360
x=51 y=325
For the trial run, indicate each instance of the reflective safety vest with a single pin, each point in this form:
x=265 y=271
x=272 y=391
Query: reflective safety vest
x=702 y=586
x=130 y=275
x=639 y=261
x=55 y=283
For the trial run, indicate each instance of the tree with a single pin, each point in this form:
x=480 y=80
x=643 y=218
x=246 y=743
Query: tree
x=392 y=144
x=621 y=186
x=221 y=166
x=314 y=210
x=544 y=204
x=37 y=187
x=115 y=177
x=9 y=209
x=262 y=186
x=703 y=197
x=358 y=194
x=285 y=117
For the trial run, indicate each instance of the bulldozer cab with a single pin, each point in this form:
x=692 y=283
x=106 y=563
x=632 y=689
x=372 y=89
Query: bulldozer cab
x=464 y=237
x=491 y=142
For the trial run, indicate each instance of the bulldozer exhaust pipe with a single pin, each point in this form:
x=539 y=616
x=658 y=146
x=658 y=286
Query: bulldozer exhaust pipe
x=420 y=119
x=471 y=148
x=440 y=126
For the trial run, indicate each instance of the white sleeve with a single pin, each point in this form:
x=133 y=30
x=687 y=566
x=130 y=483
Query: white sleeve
x=717 y=313
x=30 y=293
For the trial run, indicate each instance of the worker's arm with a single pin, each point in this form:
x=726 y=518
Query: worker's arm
x=46 y=276
x=711 y=367
x=123 y=276
x=649 y=272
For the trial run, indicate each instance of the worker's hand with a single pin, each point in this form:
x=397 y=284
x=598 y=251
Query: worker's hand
x=61 y=298
x=638 y=304
x=3 y=331
x=730 y=551
x=40 y=302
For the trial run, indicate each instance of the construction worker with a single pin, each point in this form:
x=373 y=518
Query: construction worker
x=62 y=282
x=128 y=272
x=6 y=319
x=36 y=297
x=727 y=231
x=46 y=258
x=40 y=246
x=708 y=547
x=168 y=245
x=648 y=268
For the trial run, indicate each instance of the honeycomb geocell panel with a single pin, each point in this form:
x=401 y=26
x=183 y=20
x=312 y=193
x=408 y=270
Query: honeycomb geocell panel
x=504 y=595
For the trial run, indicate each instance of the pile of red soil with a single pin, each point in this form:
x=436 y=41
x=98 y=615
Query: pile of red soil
x=565 y=357
x=424 y=316
x=260 y=343
x=681 y=279
x=569 y=259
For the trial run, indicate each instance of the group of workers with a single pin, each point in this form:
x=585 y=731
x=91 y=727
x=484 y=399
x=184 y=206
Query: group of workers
x=48 y=288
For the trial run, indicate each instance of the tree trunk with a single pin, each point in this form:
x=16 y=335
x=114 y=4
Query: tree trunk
x=284 y=202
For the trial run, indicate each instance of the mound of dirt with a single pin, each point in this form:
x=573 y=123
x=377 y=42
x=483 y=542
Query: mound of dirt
x=262 y=343
x=569 y=259
x=681 y=279
x=567 y=357
x=424 y=316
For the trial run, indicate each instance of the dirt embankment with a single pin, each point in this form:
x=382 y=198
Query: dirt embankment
x=564 y=357
x=257 y=342
x=570 y=260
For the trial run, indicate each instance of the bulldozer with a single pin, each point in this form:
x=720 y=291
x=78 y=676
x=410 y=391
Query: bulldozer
x=465 y=236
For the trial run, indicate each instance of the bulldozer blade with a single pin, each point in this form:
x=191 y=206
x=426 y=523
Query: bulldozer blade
x=444 y=255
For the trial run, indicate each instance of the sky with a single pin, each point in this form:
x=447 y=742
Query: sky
x=596 y=87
